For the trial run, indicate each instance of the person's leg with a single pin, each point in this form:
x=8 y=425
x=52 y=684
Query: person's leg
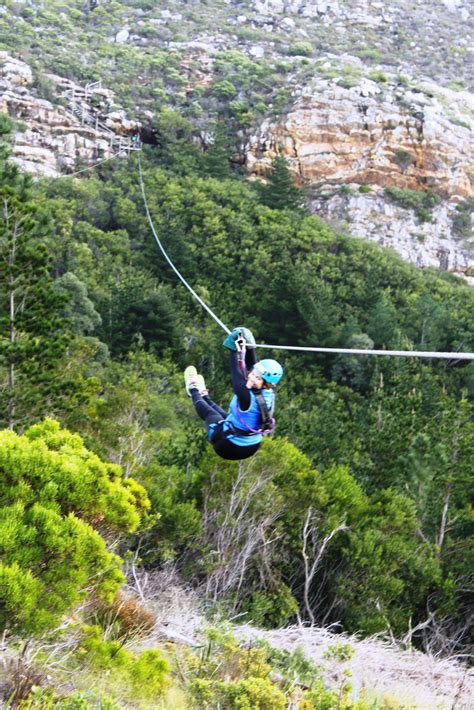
x=215 y=406
x=202 y=408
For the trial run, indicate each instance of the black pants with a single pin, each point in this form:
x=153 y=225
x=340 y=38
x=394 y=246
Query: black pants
x=211 y=413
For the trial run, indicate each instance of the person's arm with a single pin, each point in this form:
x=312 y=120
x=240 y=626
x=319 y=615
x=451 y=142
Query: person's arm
x=239 y=382
x=250 y=358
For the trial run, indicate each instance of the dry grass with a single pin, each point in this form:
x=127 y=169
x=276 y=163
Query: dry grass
x=379 y=669
x=178 y=611
x=412 y=678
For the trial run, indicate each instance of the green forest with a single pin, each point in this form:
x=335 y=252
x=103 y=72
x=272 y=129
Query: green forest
x=356 y=512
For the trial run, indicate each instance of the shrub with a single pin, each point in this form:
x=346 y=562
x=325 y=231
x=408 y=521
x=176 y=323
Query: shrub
x=54 y=488
x=101 y=654
x=47 y=699
x=224 y=89
x=421 y=202
x=126 y=614
x=273 y=609
x=404 y=158
x=149 y=674
x=462 y=218
x=347 y=82
x=365 y=188
x=21 y=677
x=339 y=651
x=369 y=53
x=300 y=49
x=379 y=77
x=249 y=694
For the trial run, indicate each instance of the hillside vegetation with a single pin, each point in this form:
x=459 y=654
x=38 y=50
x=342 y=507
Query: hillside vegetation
x=357 y=512
x=239 y=59
x=137 y=569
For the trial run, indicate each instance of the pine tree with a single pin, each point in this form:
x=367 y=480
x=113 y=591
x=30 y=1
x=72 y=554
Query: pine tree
x=32 y=333
x=280 y=192
x=216 y=158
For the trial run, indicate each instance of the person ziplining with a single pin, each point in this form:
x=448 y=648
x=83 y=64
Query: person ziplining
x=237 y=434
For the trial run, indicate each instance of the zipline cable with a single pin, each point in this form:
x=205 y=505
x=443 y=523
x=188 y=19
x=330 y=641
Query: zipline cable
x=347 y=351
x=191 y=290
x=393 y=353
x=91 y=167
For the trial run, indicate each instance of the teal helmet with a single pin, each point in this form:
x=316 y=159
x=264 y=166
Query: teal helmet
x=269 y=370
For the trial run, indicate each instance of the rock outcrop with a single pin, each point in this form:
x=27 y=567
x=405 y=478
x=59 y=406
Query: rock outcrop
x=374 y=135
x=380 y=136
x=423 y=243
x=51 y=139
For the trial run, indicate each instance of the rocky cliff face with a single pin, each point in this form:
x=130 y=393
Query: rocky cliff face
x=375 y=135
x=373 y=216
x=51 y=139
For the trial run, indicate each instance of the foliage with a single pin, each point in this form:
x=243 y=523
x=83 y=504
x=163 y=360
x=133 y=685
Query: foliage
x=34 y=338
x=146 y=674
x=125 y=617
x=421 y=202
x=273 y=609
x=55 y=492
x=149 y=674
x=356 y=511
x=232 y=675
x=47 y=699
x=403 y=158
x=280 y=192
x=462 y=218
x=300 y=49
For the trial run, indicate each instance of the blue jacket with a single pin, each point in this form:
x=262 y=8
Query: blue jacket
x=250 y=419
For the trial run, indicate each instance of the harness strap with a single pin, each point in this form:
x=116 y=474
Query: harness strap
x=221 y=433
x=268 y=422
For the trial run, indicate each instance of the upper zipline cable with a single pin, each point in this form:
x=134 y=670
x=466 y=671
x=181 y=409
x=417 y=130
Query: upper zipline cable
x=198 y=298
x=91 y=167
x=344 y=351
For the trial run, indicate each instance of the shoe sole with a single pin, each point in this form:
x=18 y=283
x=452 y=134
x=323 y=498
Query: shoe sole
x=189 y=372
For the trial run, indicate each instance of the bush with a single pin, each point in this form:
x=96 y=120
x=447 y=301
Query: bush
x=379 y=77
x=54 y=491
x=272 y=610
x=47 y=699
x=224 y=89
x=300 y=49
x=421 y=202
x=462 y=218
x=145 y=675
x=103 y=655
x=249 y=694
x=21 y=677
x=149 y=674
x=128 y=615
x=404 y=159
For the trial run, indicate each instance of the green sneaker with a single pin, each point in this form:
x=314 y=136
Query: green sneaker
x=190 y=379
x=201 y=385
